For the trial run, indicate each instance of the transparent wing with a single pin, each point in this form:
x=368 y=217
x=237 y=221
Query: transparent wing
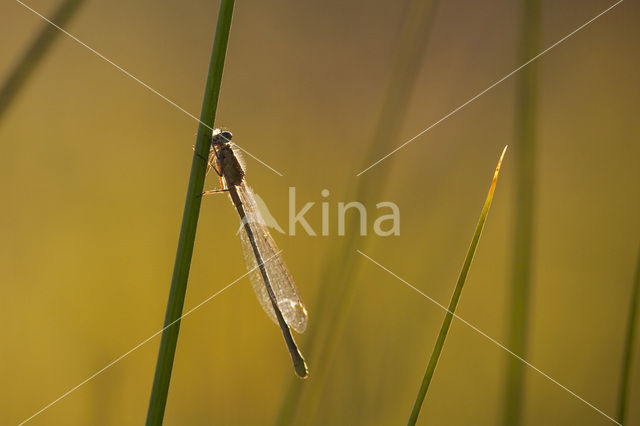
x=287 y=298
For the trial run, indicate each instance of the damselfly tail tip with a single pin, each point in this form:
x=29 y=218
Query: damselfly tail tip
x=300 y=366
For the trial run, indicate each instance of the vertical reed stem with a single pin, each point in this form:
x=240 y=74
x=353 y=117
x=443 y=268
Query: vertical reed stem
x=186 y=240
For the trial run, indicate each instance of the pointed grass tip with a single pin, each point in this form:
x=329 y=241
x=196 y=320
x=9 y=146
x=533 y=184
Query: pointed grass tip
x=495 y=175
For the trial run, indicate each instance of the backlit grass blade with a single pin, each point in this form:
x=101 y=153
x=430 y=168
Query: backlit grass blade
x=190 y=216
x=627 y=359
x=446 y=323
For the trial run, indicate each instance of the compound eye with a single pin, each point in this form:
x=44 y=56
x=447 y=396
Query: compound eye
x=226 y=136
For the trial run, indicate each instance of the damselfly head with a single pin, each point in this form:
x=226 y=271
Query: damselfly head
x=221 y=137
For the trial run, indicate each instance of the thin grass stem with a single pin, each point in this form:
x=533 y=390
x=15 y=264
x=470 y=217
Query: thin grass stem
x=191 y=213
x=446 y=323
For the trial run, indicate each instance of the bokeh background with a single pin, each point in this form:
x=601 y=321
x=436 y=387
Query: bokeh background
x=93 y=171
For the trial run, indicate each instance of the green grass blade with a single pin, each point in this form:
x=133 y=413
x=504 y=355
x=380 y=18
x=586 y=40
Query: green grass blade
x=525 y=165
x=190 y=218
x=627 y=359
x=34 y=54
x=446 y=323
x=332 y=304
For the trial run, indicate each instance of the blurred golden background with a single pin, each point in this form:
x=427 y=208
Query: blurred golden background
x=94 y=168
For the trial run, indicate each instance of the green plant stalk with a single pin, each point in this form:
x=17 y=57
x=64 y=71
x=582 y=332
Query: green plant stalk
x=627 y=357
x=446 y=323
x=332 y=304
x=186 y=240
x=525 y=165
x=34 y=54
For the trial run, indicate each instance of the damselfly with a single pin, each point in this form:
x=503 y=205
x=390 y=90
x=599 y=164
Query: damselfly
x=269 y=275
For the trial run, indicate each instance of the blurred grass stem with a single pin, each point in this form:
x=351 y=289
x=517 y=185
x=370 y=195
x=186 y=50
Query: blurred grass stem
x=29 y=62
x=446 y=323
x=525 y=167
x=186 y=240
x=332 y=304
x=627 y=357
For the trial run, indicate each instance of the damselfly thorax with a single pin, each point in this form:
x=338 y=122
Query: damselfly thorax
x=226 y=160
